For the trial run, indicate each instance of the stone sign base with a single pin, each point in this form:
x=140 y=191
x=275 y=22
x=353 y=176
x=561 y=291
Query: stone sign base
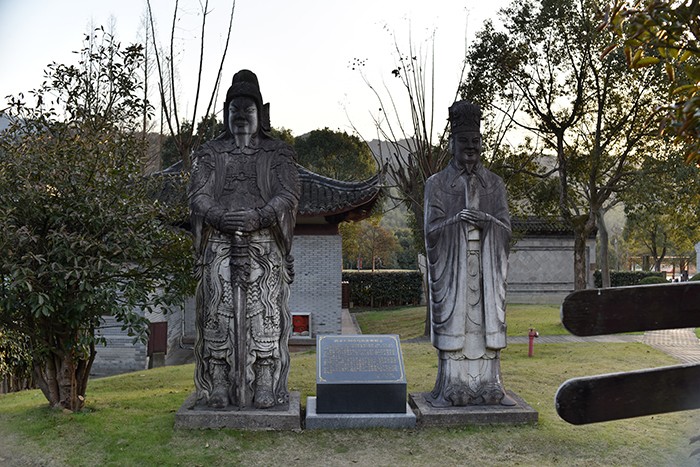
x=335 y=421
x=276 y=418
x=429 y=416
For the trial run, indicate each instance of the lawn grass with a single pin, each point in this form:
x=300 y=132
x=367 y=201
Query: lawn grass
x=129 y=421
x=408 y=322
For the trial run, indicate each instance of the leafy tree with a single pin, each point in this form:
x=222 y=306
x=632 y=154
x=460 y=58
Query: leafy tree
x=335 y=154
x=407 y=256
x=663 y=207
x=664 y=34
x=169 y=151
x=81 y=233
x=375 y=245
x=284 y=134
x=350 y=234
x=16 y=362
x=589 y=116
x=208 y=128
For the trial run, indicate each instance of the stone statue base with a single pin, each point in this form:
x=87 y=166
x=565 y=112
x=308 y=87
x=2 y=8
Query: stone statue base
x=338 y=421
x=429 y=416
x=279 y=418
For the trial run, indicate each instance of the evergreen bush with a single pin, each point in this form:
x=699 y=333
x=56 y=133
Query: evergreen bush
x=625 y=278
x=384 y=288
x=653 y=280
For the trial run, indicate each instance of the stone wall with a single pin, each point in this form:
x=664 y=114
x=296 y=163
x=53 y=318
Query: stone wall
x=317 y=283
x=177 y=318
x=541 y=269
x=120 y=355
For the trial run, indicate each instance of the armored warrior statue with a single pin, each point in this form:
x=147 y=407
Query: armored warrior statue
x=467 y=234
x=243 y=196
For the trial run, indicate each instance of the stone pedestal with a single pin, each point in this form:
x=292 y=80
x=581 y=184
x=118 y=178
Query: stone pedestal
x=429 y=416
x=276 y=418
x=156 y=360
x=326 y=421
x=360 y=374
x=360 y=383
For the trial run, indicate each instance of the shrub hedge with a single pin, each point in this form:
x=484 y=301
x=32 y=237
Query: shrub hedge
x=384 y=288
x=623 y=278
x=653 y=280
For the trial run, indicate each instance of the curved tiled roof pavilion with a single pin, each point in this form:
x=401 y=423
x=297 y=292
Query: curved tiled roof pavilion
x=323 y=200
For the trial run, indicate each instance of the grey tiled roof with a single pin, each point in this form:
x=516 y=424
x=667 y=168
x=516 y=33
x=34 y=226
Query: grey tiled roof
x=323 y=196
x=320 y=196
x=541 y=225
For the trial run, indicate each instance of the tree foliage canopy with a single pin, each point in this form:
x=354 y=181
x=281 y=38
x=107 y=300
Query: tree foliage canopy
x=370 y=244
x=588 y=117
x=664 y=34
x=335 y=154
x=81 y=232
x=663 y=207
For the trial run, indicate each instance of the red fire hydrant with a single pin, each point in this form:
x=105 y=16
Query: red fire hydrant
x=531 y=346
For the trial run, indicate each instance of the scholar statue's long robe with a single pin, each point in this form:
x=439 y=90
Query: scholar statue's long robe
x=467 y=268
x=262 y=177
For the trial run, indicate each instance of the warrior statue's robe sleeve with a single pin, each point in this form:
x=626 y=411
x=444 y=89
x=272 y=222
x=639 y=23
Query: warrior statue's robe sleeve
x=204 y=206
x=278 y=180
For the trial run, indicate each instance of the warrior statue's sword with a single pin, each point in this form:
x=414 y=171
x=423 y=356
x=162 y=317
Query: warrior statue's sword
x=240 y=270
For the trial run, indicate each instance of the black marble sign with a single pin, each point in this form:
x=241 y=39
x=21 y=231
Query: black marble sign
x=360 y=374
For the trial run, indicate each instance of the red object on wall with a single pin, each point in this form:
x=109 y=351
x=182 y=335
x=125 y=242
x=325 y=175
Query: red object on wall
x=300 y=323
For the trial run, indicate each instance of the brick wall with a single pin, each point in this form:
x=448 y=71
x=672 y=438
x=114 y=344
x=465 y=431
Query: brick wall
x=541 y=269
x=120 y=355
x=316 y=288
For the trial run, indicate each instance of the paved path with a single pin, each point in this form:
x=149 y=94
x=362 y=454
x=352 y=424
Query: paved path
x=679 y=343
x=612 y=338
x=349 y=323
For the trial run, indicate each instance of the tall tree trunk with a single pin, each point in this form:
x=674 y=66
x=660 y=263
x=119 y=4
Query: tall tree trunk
x=603 y=241
x=63 y=378
x=583 y=226
x=419 y=241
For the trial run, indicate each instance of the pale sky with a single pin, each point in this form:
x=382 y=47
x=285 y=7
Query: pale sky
x=300 y=49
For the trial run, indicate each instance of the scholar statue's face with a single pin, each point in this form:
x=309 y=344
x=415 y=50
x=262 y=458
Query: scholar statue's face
x=242 y=116
x=466 y=147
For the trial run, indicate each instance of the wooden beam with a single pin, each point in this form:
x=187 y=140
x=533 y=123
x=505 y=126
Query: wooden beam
x=594 y=312
x=625 y=395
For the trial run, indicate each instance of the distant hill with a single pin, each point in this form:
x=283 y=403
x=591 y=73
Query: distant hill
x=384 y=153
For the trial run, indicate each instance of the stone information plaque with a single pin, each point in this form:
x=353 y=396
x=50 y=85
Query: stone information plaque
x=360 y=374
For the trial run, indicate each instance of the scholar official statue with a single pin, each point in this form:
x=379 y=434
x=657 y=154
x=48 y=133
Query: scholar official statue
x=243 y=196
x=467 y=234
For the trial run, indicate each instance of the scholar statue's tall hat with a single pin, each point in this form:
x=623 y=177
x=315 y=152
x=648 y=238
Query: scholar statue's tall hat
x=464 y=116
